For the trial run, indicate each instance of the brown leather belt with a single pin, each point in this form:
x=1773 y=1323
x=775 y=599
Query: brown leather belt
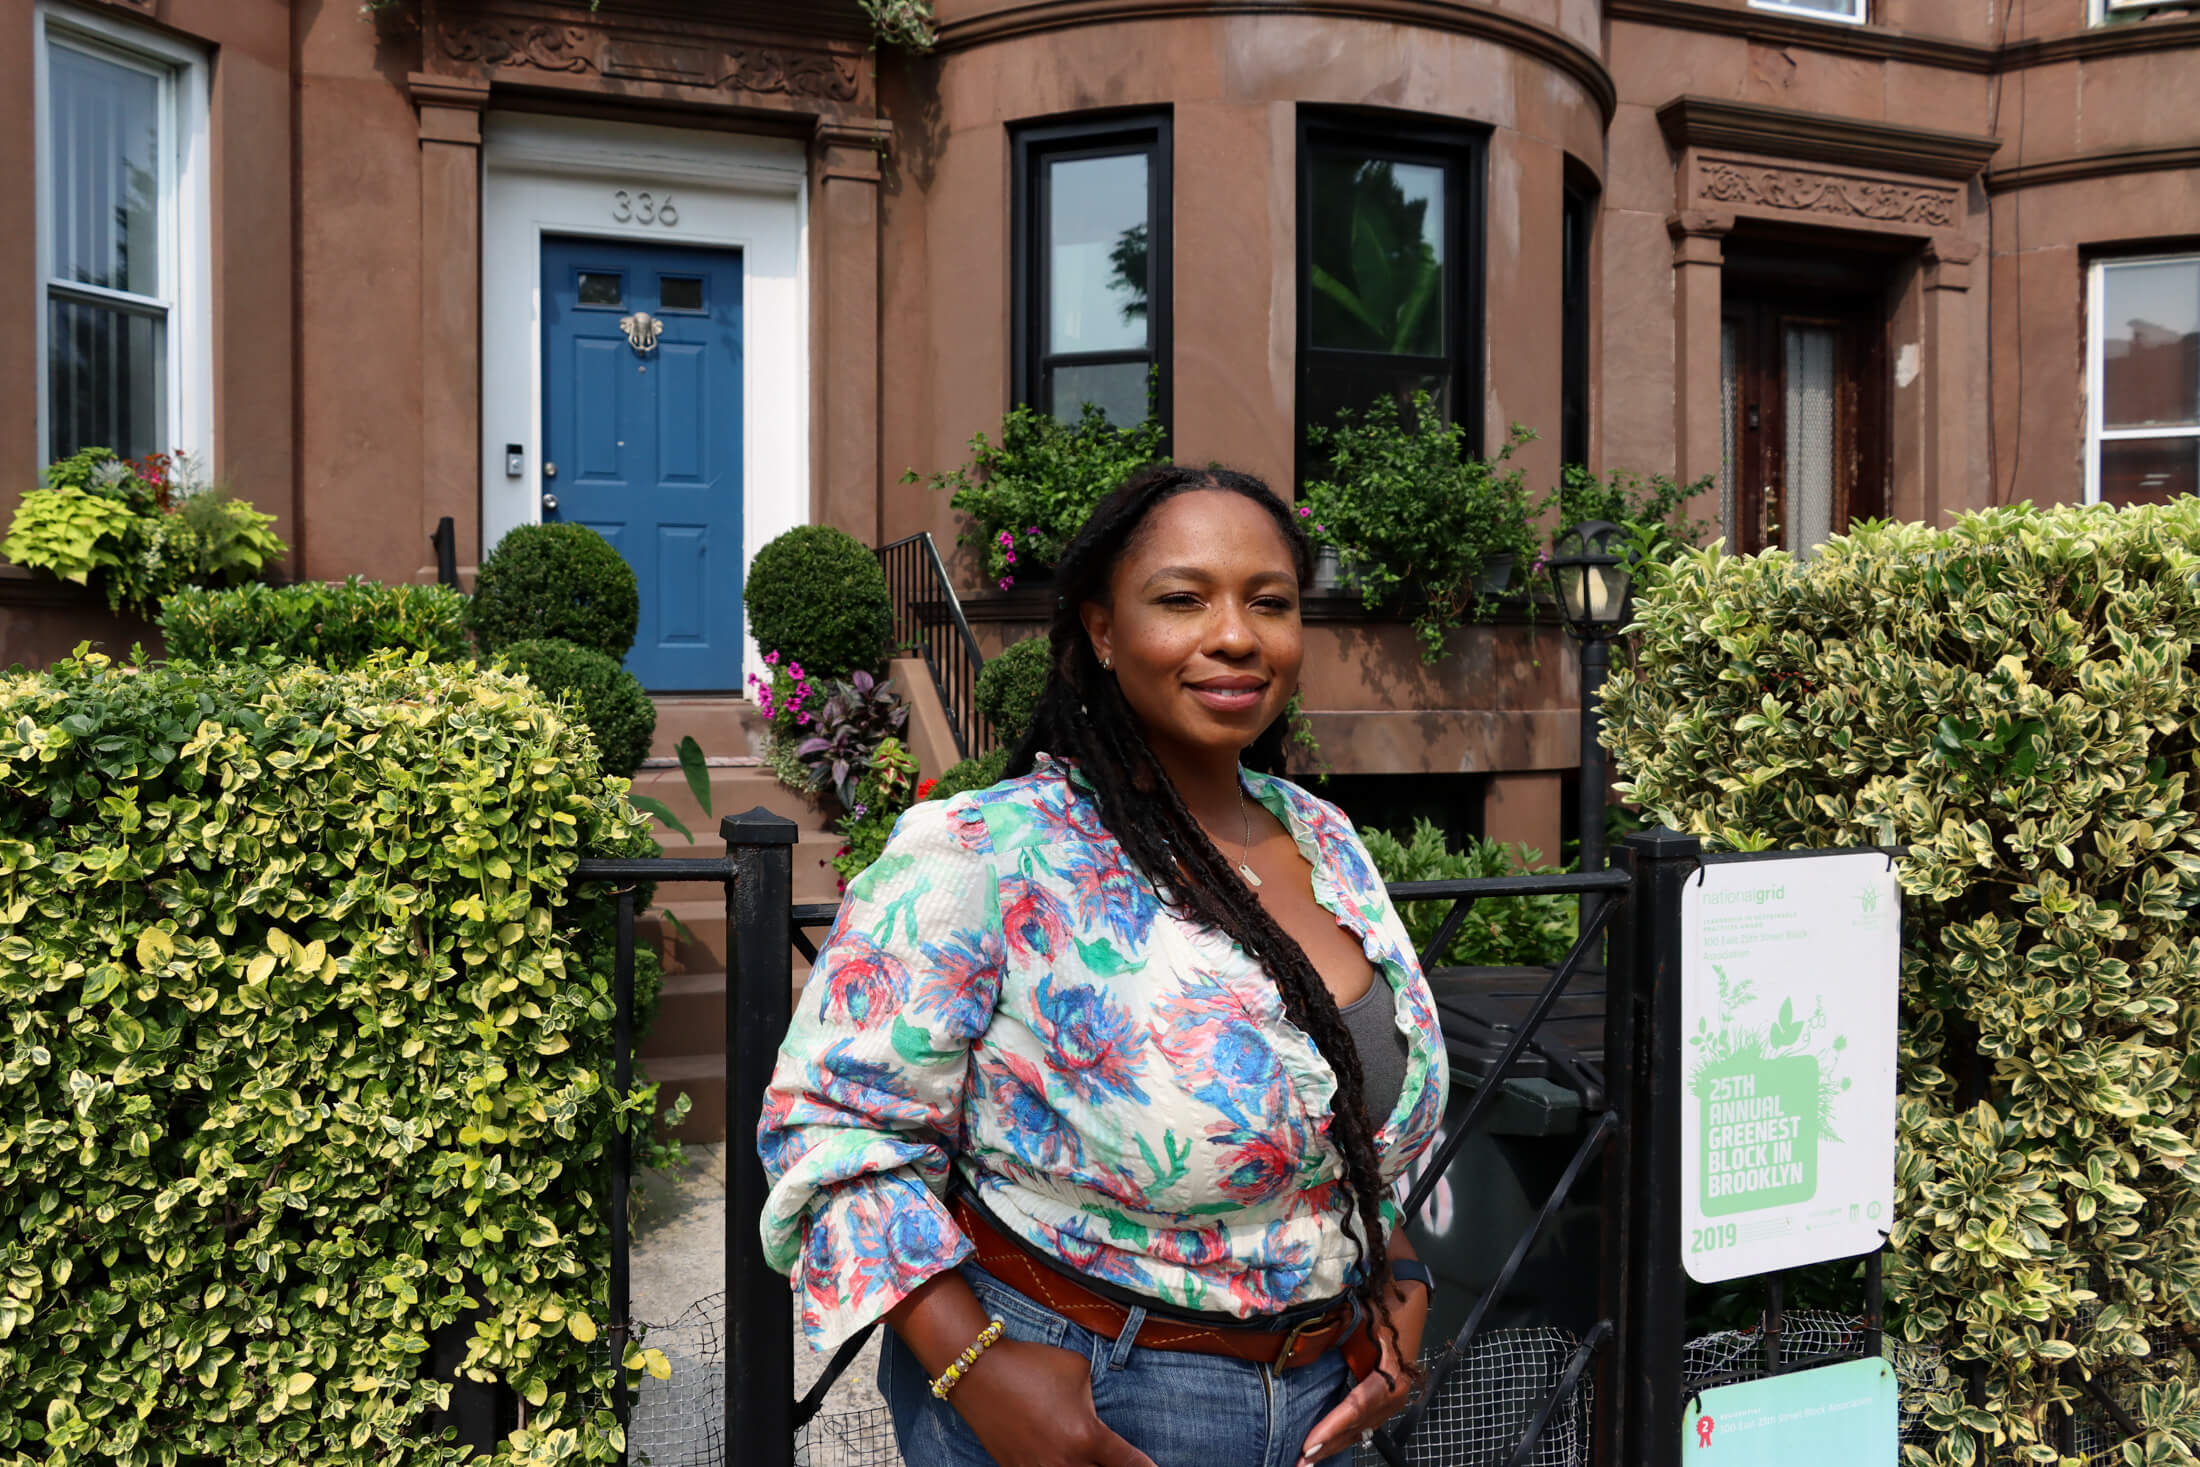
x=1011 y=1262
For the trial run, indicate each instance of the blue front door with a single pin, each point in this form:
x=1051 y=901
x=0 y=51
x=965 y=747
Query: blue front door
x=641 y=418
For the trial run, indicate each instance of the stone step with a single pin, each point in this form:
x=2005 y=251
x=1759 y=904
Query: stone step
x=723 y=726
x=698 y=943
x=685 y=1050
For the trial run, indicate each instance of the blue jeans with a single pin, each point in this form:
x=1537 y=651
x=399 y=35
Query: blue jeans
x=1180 y=1409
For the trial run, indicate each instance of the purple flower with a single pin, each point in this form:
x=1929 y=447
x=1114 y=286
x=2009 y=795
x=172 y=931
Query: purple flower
x=1032 y=531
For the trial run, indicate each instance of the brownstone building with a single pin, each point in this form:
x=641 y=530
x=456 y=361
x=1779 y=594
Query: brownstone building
x=1847 y=257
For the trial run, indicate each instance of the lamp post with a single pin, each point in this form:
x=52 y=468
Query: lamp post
x=1592 y=593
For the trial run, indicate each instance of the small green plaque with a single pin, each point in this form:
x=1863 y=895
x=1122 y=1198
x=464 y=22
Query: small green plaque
x=1759 y=1133
x=1844 y=1415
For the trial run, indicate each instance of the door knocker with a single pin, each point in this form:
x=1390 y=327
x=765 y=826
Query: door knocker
x=642 y=330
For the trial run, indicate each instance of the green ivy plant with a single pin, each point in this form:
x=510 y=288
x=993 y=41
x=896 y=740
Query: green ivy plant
x=1028 y=495
x=1413 y=514
x=142 y=529
x=304 y=1057
x=2014 y=699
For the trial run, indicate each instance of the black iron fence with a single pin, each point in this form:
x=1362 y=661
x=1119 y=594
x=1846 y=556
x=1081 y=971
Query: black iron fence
x=1604 y=1024
x=929 y=621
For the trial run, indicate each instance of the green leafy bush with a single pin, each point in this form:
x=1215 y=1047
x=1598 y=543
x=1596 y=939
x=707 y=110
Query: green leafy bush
x=1009 y=686
x=334 y=624
x=302 y=1065
x=980 y=772
x=1413 y=514
x=2014 y=699
x=1028 y=495
x=817 y=597
x=887 y=788
x=1500 y=932
x=608 y=698
x=561 y=581
x=142 y=529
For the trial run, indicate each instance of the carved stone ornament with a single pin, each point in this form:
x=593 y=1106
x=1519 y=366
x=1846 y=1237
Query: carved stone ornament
x=538 y=44
x=546 y=46
x=1802 y=191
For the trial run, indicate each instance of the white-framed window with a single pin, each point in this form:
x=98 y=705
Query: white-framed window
x=2106 y=11
x=1851 y=11
x=124 y=345
x=2143 y=379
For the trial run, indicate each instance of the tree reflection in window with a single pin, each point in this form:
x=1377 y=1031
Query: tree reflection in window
x=1378 y=256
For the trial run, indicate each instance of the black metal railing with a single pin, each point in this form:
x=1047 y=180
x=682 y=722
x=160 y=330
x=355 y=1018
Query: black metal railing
x=1498 y=1029
x=929 y=620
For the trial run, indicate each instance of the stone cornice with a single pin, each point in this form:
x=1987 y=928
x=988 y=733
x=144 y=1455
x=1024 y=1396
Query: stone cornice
x=1882 y=44
x=2092 y=165
x=1562 y=52
x=1816 y=137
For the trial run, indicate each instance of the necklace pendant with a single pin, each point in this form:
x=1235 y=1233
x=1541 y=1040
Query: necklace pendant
x=1247 y=872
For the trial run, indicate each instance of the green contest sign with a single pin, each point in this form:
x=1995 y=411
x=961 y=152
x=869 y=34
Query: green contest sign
x=1844 y=1415
x=1789 y=978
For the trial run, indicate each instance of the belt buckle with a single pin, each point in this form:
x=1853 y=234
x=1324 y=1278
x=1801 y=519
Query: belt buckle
x=1296 y=1333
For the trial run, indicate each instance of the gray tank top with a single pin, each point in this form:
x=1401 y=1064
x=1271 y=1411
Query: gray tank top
x=1372 y=1020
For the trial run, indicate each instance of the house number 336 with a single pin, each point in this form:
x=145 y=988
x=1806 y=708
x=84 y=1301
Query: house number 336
x=630 y=207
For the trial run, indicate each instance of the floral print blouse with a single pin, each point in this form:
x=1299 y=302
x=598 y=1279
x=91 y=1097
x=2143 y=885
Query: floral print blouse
x=1004 y=994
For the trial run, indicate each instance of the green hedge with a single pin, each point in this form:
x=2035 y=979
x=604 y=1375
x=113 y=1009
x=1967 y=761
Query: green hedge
x=817 y=596
x=556 y=580
x=2014 y=699
x=1500 y=932
x=609 y=699
x=301 y=1064
x=335 y=624
x=1009 y=686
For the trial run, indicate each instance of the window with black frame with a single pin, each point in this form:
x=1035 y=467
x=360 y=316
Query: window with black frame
x=1091 y=248
x=1390 y=270
x=1573 y=390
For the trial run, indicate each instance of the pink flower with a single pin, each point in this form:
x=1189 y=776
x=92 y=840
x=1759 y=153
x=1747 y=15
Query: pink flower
x=1011 y=557
x=1007 y=538
x=1007 y=581
x=802 y=718
x=794 y=670
x=770 y=658
x=1304 y=512
x=1032 y=531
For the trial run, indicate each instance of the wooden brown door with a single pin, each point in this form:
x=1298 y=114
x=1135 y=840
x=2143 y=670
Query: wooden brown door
x=1803 y=408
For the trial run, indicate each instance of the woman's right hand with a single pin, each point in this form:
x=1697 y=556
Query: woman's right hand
x=1031 y=1406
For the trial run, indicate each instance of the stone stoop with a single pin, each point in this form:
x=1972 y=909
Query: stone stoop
x=684 y=1050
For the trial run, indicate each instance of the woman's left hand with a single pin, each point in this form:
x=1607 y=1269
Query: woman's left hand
x=1375 y=1399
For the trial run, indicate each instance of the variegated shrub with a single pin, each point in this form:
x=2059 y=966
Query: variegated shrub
x=298 y=1062
x=2014 y=699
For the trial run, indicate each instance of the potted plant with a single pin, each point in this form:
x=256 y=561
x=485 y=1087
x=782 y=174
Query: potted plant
x=1030 y=493
x=1417 y=520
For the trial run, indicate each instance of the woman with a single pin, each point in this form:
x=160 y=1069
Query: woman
x=1098 y=1088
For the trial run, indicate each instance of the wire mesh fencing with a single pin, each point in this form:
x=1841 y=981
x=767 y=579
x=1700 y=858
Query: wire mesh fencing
x=681 y=1422
x=1489 y=1402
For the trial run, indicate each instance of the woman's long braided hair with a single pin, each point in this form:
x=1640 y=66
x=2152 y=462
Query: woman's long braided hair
x=1082 y=715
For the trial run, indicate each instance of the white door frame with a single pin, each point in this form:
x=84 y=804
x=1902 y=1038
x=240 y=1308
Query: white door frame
x=569 y=176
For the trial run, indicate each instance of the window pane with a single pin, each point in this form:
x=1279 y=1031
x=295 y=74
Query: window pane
x=1119 y=388
x=1378 y=256
x=105 y=137
x=1096 y=254
x=2150 y=344
x=1331 y=389
x=1845 y=9
x=600 y=288
x=679 y=293
x=2149 y=470
x=1808 y=391
x=106 y=378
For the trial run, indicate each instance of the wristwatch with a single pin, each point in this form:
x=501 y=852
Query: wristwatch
x=1413 y=1271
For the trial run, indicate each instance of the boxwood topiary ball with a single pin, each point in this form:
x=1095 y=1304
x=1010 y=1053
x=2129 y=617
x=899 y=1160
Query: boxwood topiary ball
x=558 y=580
x=607 y=697
x=1009 y=687
x=817 y=597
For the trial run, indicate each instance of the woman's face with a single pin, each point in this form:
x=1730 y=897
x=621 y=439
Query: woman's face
x=1202 y=623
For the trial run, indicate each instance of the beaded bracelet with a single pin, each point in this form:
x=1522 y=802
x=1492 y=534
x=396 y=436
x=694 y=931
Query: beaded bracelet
x=953 y=1374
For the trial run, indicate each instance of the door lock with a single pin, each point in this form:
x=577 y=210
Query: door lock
x=549 y=504
x=549 y=471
